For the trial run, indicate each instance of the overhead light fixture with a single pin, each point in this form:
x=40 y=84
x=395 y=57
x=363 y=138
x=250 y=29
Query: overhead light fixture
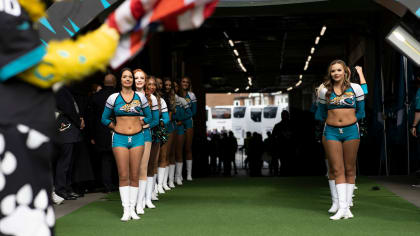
x=229 y=93
x=312 y=50
x=226 y=35
x=300 y=76
x=298 y=83
x=280 y=92
x=244 y=69
x=250 y=83
x=237 y=89
x=405 y=43
x=324 y=28
x=236 y=52
x=231 y=42
x=289 y=88
x=317 y=40
x=249 y=79
x=239 y=60
x=309 y=59
x=305 y=68
x=247 y=88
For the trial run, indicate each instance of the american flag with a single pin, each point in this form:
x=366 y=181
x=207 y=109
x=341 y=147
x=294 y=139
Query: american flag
x=137 y=19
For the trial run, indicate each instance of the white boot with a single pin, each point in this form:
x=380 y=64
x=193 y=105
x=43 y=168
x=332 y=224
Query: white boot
x=189 y=170
x=178 y=173
x=155 y=189
x=171 y=176
x=342 y=202
x=140 y=197
x=133 y=199
x=149 y=190
x=165 y=179
x=161 y=176
x=350 y=190
x=334 y=197
x=125 y=201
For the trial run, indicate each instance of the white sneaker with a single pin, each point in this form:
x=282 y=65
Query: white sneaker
x=57 y=199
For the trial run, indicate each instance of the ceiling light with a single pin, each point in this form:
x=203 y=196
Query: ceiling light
x=249 y=79
x=231 y=42
x=312 y=50
x=247 y=88
x=250 y=83
x=298 y=83
x=309 y=58
x=239 y=60
x=237 y=89
x=305 y=68
x=316 y=40
x=405 y=43
x=244 y=69
x=229 y=93
x=324 y=28
x=289 y=88
x=236 y=52
x=300 y=76
x=226 y=35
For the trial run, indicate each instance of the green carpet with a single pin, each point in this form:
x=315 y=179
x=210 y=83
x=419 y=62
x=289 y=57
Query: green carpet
x=250 y=206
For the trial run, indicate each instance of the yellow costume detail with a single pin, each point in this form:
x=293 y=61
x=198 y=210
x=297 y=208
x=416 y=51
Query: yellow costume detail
x=74 y=59
x=35 y=9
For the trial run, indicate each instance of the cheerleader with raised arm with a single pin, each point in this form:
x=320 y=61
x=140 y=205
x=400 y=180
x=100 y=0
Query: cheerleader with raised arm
x=340 y=106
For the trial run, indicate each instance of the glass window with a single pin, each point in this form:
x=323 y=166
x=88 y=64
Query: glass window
x=270 y=112
x=239 y=112
x=221 y=113
x=256 y=114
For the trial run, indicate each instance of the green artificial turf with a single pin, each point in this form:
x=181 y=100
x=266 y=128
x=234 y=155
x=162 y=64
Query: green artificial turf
x=250 y=206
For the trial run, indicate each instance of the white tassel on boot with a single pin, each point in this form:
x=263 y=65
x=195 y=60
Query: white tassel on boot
x=178 y=173
x=342 y=202
x=125 y=201
x=189 y=170
x=160 y=176
x=350 y=190
x=140 y=197
x=165 y=179
x=133 y=199
x=149 y=190
x=171 y=176
x=334 y=197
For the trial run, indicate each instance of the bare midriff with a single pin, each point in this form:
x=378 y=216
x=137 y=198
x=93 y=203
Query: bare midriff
x=341 y=117
x=128 y=125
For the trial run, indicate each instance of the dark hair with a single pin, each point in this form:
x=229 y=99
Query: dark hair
x=169 y=97
x=133 y=85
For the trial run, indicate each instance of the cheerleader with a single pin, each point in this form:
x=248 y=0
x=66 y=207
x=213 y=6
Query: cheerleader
x=169 y=95
x=158 y=150
x=182 y=113
x=127 y=138
x=146 y=179
x=189 y=96
x=330 y=173
x=340 y=106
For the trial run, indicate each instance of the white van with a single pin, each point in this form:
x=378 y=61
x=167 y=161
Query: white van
x=239 y=123
x=220 y=118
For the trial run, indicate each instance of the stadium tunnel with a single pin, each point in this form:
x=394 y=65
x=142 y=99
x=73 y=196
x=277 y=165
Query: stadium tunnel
x=273 y=40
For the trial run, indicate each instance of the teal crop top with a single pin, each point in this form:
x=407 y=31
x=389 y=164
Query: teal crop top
x=352 y=98
x=138 y=106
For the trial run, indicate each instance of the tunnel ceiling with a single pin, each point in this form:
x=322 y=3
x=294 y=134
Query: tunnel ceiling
x=273 y=42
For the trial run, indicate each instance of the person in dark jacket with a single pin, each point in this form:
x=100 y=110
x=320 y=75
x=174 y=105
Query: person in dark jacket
x=101 y=136
x=70 y=124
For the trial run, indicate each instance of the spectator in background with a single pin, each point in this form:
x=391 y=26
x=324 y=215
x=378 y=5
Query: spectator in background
x=233 y=143
x=269 y=148
x=246 y=147
x=101 y=135
x=70 y=124
x=282 y=134
x=255 y=153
